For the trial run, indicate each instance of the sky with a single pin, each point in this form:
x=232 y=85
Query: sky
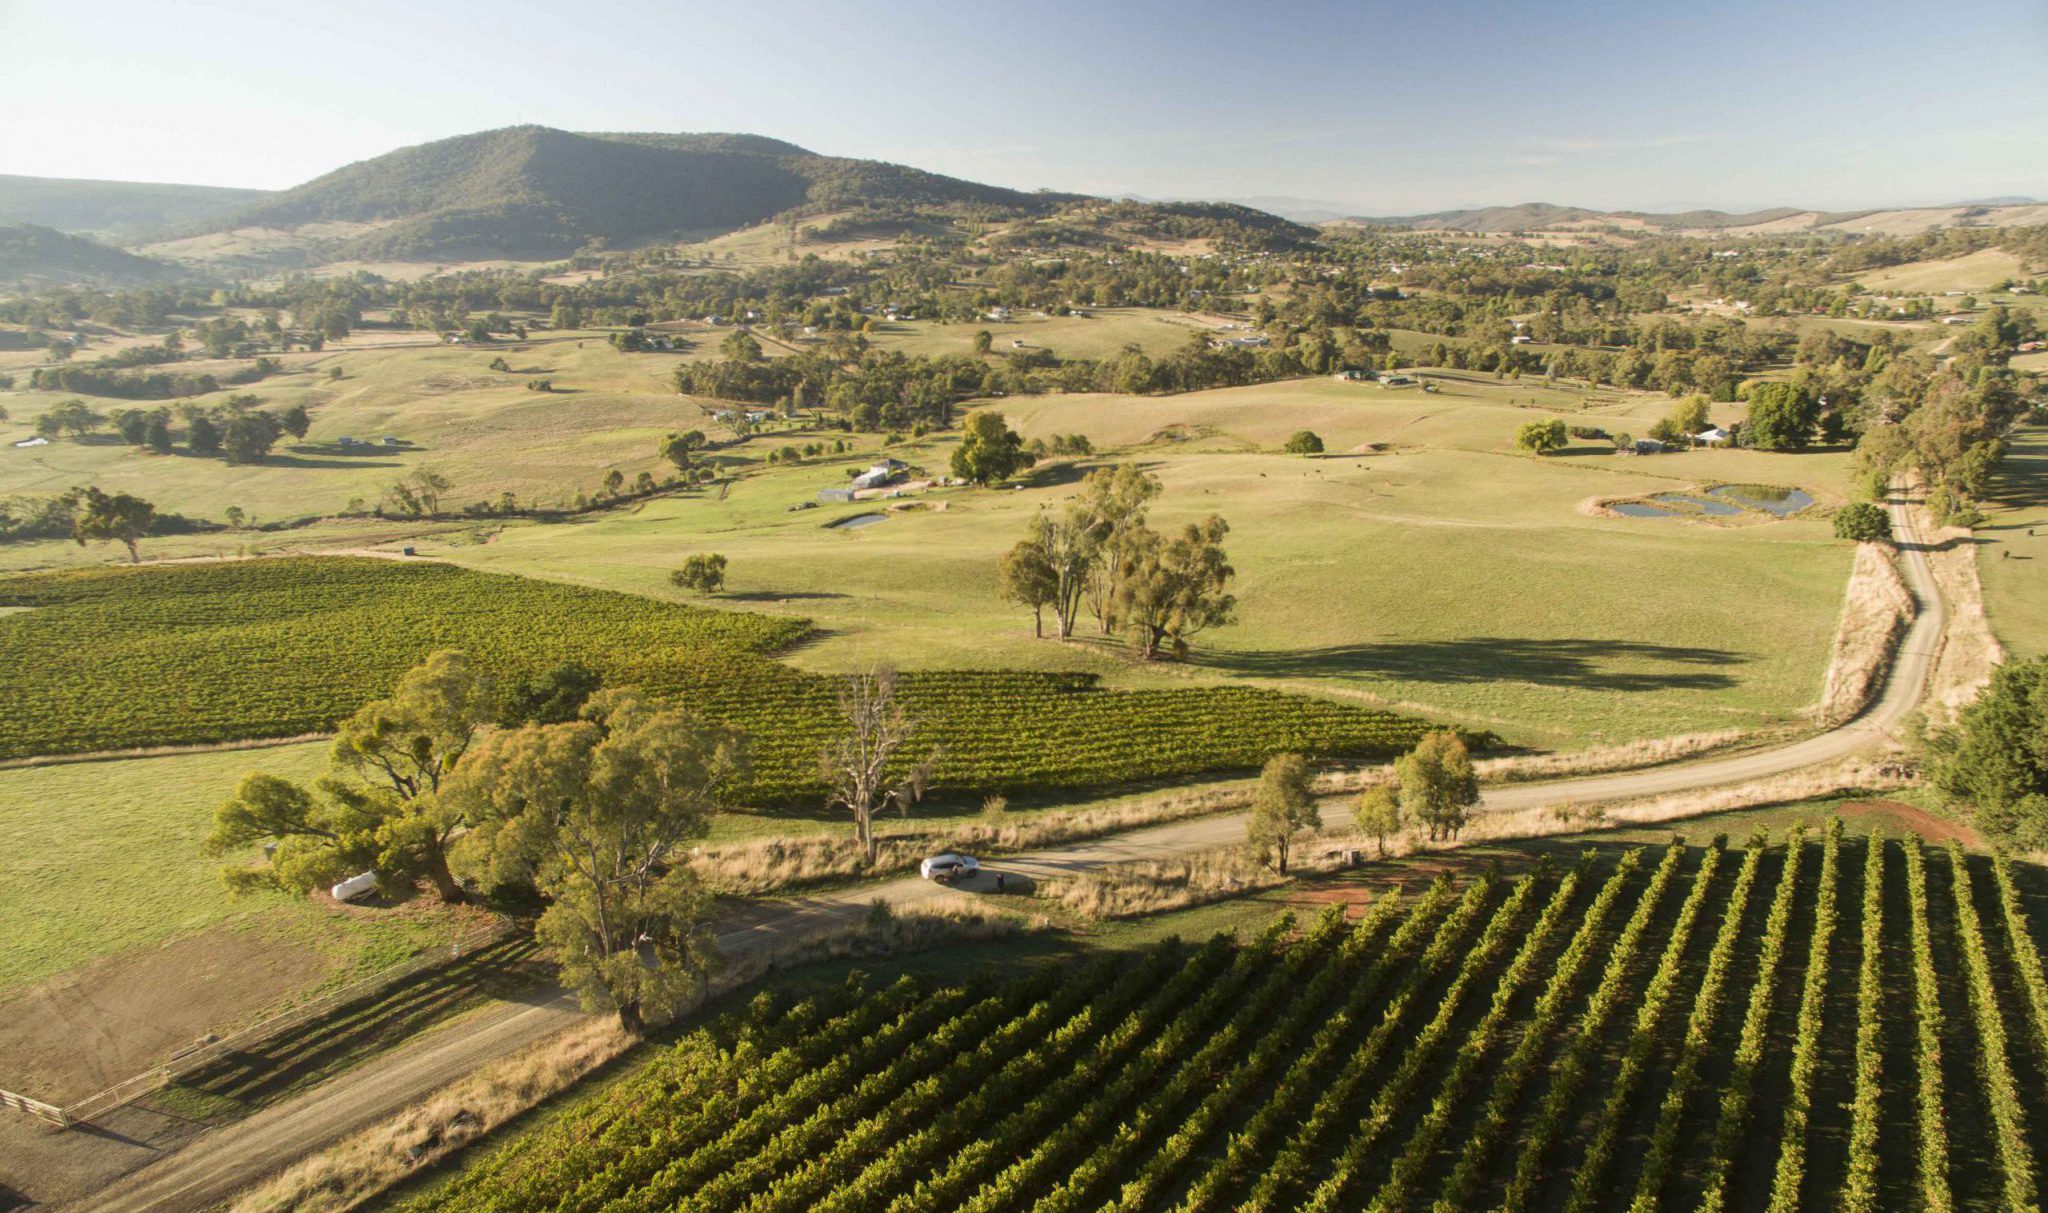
x=1377 y=108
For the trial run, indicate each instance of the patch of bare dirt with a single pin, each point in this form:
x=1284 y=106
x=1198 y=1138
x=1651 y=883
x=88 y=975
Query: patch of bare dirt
x=84 y=1031
x=1894 y=817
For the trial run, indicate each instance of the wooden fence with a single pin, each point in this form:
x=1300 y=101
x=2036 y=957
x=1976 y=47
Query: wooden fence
x=34 y=1107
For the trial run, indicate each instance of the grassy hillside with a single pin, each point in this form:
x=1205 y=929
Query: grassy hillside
x=32 y=256
x=1669 y=1026
x=481 y=428
x=114 y=208
x=532 y=191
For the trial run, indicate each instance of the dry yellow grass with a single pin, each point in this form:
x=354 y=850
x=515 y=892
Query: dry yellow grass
x=768 y=865
x=363 y=1165
x=1969 y=651
x=1153 y=886
x=1859 y=774
x=1875 y=612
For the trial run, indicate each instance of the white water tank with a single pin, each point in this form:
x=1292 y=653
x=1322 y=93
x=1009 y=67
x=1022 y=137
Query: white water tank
x=355 y=886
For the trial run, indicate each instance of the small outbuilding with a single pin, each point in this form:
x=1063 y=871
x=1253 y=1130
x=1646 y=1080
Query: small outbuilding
x=878 y=475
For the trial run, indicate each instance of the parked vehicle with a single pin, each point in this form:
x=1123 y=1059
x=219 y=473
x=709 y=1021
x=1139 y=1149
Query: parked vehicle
x=948 y=868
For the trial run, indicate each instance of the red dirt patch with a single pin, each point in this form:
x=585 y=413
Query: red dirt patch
x=84 y=1031
x=1360 y=887
x=1904 y=817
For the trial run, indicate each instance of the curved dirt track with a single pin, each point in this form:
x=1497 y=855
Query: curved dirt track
x=224 y=1160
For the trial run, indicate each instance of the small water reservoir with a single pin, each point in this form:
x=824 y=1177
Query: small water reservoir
x=1770 y=498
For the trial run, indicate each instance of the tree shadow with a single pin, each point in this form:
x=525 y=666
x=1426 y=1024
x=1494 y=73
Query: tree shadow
x=296 y=461
x=1053 y=475
x=1577 y=664
x=776 y=595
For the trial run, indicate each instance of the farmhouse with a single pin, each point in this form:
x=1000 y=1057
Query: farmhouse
x=1716 y=436
x=1648 y=446
x=1397 y=381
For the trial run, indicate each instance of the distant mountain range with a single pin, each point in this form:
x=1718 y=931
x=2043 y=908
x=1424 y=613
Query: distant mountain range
x=536 y=193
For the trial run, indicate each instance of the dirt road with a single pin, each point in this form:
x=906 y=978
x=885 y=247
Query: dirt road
x=226 y=1159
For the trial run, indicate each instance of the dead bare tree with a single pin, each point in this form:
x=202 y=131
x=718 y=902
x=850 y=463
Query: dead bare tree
x=867 y=769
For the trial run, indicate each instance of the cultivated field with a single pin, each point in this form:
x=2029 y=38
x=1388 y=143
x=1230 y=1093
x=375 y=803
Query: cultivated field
x=265 y=648
x=1376 y=573
x=1748 y=1026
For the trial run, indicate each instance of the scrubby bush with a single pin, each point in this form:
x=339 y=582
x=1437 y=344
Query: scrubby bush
x=1863 y=522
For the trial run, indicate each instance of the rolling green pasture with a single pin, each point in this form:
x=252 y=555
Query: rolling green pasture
x=2012 y=546
x=100 y=858
x=1448 y=573
x=1372 y=573
x=482 y=429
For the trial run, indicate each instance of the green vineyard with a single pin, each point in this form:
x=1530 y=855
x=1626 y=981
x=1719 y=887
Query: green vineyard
x=1678 y=1028
x=275 y=648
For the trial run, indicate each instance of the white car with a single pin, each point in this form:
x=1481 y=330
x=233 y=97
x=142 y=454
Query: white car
x=948 y=868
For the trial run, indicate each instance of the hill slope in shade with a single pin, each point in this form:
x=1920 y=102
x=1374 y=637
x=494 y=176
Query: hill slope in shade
x=31 y=255
x=119 y=209
x=531 y=191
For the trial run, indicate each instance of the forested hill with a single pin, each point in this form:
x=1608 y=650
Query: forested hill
x=531 y=191
x=31 y=255
x=116 y=209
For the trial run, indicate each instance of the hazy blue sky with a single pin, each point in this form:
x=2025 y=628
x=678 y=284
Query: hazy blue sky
x=1386 y=107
